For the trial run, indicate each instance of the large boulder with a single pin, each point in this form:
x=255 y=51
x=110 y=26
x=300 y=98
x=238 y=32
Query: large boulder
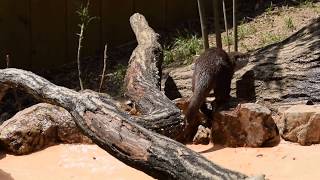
x=283 y=72
x=249 y=125
x=37 y=127
x=301 y=124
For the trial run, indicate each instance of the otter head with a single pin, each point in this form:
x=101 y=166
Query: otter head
x=238 y=59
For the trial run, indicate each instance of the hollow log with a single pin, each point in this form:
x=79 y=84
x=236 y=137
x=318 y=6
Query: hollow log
x=119 y=133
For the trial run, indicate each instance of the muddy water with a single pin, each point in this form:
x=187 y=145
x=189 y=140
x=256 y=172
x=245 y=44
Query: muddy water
x=89 y=162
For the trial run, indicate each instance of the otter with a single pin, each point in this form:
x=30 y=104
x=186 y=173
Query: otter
x=213 y=69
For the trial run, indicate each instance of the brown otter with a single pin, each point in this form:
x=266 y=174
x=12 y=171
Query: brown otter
x=213 y=69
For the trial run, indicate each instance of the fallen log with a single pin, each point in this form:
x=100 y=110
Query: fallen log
x=118 y=133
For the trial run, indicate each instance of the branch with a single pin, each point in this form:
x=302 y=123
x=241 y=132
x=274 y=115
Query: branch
x=117 y=133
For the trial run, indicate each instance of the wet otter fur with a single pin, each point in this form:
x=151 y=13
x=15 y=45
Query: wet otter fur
x=213 y=69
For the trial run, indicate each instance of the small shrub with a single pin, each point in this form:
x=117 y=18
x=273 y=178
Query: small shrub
x=307 y=3
x=168 y=55
x=317 y=9
x=227 y=39
x=289 y=23
x=244 y=46
x=119 y=74
x=270 y=8
x=182 y=50
x=117 y=79
x=245 y=30
x=271 y=38
x=85 y=19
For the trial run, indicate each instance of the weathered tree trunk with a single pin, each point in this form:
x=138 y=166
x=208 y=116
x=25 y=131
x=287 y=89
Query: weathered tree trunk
x=142 y=82
x=117 y=132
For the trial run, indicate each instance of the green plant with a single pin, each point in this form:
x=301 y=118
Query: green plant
x=182 y=50
x=85 y=19
x=270 y=8
x=118 y=77
x=120 y=72
x=317 y=9
x=270 y=38
x=168 y=55
x=289 y=23
x=307 y=3
x=227 y=39
x=245 y=30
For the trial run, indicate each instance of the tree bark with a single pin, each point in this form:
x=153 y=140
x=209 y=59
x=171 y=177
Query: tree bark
x=117 y=132
x=142 y=82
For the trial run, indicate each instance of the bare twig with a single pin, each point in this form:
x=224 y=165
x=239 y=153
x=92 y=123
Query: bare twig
x=85 y=19
x=79 y=53
x=104 y=66
x=8 y=60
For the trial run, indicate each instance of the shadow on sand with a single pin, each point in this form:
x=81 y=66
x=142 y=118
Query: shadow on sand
x=5 y=176
x=212 y=149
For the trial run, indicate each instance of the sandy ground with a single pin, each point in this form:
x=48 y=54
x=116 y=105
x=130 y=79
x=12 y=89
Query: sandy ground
x=86 y=162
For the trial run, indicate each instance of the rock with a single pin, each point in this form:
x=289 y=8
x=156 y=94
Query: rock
x=249 y=125
x=284 y=72
x=202 y=136
x=37 y=127
x=287 y=71
x=301 y=124
x=177 y=82
x=182 y=104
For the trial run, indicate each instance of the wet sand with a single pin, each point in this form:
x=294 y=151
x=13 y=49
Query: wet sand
x=89 y=162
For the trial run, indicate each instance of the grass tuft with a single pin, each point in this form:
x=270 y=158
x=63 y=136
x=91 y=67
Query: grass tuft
x=182 y=50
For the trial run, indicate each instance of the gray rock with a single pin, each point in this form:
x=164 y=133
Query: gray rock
x=37 y=127
x=284 y=72
x=249 y=125
x=301 y=124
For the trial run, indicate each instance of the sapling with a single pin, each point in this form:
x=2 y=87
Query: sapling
x=104 y=66
x=85 y=19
